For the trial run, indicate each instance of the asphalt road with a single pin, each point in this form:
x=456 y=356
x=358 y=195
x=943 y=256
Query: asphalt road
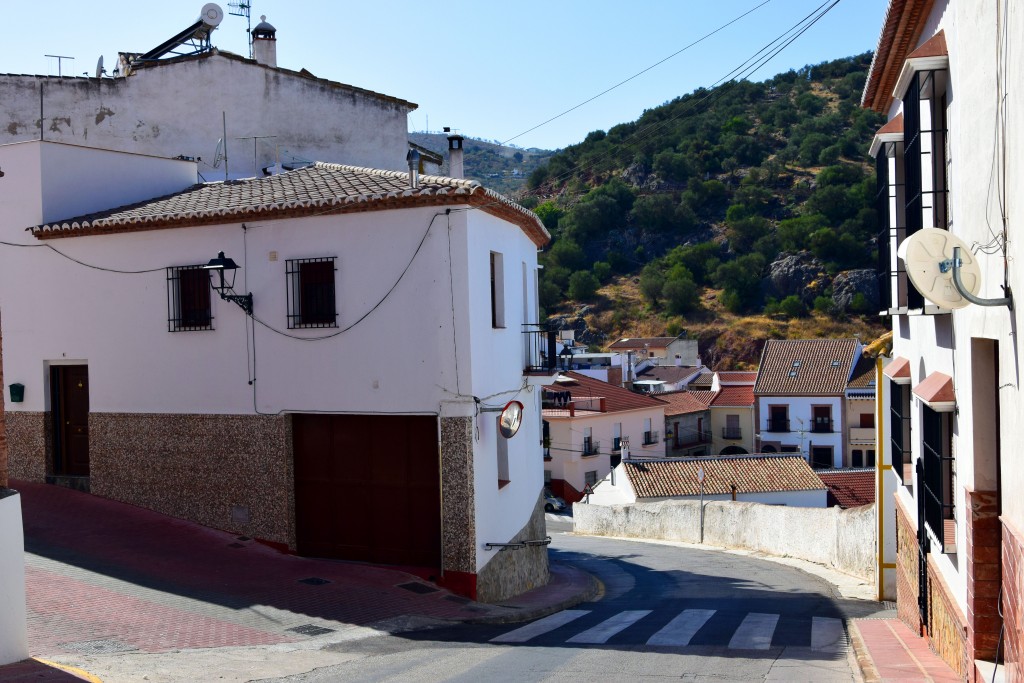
x=666 y=612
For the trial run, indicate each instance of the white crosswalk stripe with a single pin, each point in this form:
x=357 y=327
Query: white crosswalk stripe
x=755 y=633
x=680 y=630
x=827 y=634
x=609 y=627
x=540 y=627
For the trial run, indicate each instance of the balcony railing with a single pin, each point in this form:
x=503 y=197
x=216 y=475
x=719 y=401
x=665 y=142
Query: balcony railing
x=540 y=349
x=776 y=424
x=732 y=433
x=591 y=447
x=650 y=438
x=822 y=425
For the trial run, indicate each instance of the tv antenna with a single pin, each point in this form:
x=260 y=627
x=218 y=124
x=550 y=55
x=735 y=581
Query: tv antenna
x=255 y=141
x=59 y=63
x=943 y=269
x=241 y=8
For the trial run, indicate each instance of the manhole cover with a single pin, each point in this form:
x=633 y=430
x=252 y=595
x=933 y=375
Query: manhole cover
x=416 y=587
x=98 y=647
x=311 y=630
x=314 y=581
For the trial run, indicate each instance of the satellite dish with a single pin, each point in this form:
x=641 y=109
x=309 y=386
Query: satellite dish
x=511 y=418
x=928 y=255
x=99 y=67
x=211 y=14
x=218 y=155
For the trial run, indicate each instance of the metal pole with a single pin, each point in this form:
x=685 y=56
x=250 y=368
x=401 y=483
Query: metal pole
x=702 y=510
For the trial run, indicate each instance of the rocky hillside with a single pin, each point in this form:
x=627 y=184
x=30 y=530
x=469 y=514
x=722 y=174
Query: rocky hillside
x=501 y=168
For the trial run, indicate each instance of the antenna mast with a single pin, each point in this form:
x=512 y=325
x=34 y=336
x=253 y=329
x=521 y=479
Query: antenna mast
x=242 y=8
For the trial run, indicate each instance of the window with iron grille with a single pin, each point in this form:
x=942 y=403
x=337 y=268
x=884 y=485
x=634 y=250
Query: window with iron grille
x=939 y=475
x=899 y=431
x=311 y=297
x=188 y=299
x=925 y=157
x=890 y=209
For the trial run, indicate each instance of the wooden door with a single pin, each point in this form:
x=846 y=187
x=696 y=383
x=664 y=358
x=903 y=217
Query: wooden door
x=70 y=406
x=367 y=487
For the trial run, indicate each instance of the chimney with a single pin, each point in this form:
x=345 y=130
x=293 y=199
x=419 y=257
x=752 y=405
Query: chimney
x=455 y=169
x=413 y=157
x=264 y=43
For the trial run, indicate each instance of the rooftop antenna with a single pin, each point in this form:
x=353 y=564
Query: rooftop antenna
x=241 y=8
x=59 y=63
x=255 y=140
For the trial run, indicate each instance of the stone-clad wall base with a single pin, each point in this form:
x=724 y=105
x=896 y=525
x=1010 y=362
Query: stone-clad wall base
x=947 y=624
x=514 y=571
x=458 y=512
x=27 y=445
x=231 y=472
x=907 y=589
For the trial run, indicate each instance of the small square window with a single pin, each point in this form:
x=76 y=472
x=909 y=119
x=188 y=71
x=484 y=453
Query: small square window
x=311 y=295
x=188 y=299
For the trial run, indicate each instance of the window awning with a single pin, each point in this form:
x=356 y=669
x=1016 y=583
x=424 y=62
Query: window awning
x=931 y=56
x=937 y=392
x=890 y=132
x=898 y=370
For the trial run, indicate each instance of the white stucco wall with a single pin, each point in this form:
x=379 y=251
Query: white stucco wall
x=403 y=352
x=13 y=633
x=179 y=109
x=801 y=422
x=843 y=539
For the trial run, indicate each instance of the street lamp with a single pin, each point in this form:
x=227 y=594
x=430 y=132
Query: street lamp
x=226 y=289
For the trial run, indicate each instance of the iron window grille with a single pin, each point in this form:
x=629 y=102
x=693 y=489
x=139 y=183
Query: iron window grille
x=899 y=431
x=732 y=433
x=939 y=474
x=311 y=295
x=778 y=424
x=822 y=425
x=590 y=447
x=650 y=438
x=188 y=299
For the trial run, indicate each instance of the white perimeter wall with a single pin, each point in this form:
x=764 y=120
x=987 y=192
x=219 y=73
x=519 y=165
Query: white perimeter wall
x=13 y=633
x=843 y=539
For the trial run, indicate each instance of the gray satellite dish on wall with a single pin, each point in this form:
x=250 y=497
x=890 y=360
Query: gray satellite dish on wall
x=943 y=269
x=99 y=67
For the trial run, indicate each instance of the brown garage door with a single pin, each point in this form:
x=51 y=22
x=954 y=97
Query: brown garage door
x=367 y=487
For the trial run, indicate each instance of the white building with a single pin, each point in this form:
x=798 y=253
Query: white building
x=801 y=398
x=588 y=427
x=947 y=75
x=13 y=630
x=772 y=480
x=354 y=414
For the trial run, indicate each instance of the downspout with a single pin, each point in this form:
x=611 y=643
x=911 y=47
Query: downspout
x=880 y=469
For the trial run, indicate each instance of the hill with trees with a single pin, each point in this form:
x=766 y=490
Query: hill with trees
x=499 y=167
x=748 y=199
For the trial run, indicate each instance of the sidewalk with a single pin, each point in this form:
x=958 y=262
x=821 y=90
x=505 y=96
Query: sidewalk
x=888 y=650
x=105 y=578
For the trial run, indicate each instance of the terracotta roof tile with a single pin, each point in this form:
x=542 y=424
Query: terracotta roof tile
x=641 y=342
x=317 y=189
x=901 y=29
x=705 y=378
x=669 y=373
x=737 y=376
x=615 y=398
x=734 y=396
x=898 y=370
x=684 y=402
x=807 y=367
x=849 y=488
x=894 y=125
x=936 y=388
x=664 y=478
x=863 y=374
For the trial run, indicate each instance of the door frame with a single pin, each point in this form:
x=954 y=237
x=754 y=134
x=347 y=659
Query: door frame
x=54 y=372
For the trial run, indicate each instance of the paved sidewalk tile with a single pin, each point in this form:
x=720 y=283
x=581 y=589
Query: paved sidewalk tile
x=893 y=652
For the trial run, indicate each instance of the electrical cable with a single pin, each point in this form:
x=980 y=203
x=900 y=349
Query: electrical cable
x=639 y=73
x=83 y=263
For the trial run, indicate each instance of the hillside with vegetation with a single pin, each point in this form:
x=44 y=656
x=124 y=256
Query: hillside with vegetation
x=499 y=167
x=734 y=214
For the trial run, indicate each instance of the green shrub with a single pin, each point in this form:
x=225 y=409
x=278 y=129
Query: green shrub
x=583 y=285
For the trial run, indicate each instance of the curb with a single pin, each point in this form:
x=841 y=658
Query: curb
x=591 y=591
x=860 y=650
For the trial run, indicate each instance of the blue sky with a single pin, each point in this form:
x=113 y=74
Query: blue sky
x=491 y=70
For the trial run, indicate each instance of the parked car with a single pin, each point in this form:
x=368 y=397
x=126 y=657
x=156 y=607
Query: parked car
x=553 y=503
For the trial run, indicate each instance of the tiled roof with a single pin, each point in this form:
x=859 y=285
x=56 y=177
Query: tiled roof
x=805 y=367
x=904 y=22
x=936 y=389
x=664 y=478
x=734 y=397
x=684 y=402
x=898 y=370
x=863 y=375
x=703 y=379
x=849 y=488
x=737 y=377
x=616 y=398
x=318 y=189
x=641 y=342
x=669 y=373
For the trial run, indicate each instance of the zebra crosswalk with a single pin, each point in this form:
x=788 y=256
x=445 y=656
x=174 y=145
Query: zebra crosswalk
x=754 y=631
